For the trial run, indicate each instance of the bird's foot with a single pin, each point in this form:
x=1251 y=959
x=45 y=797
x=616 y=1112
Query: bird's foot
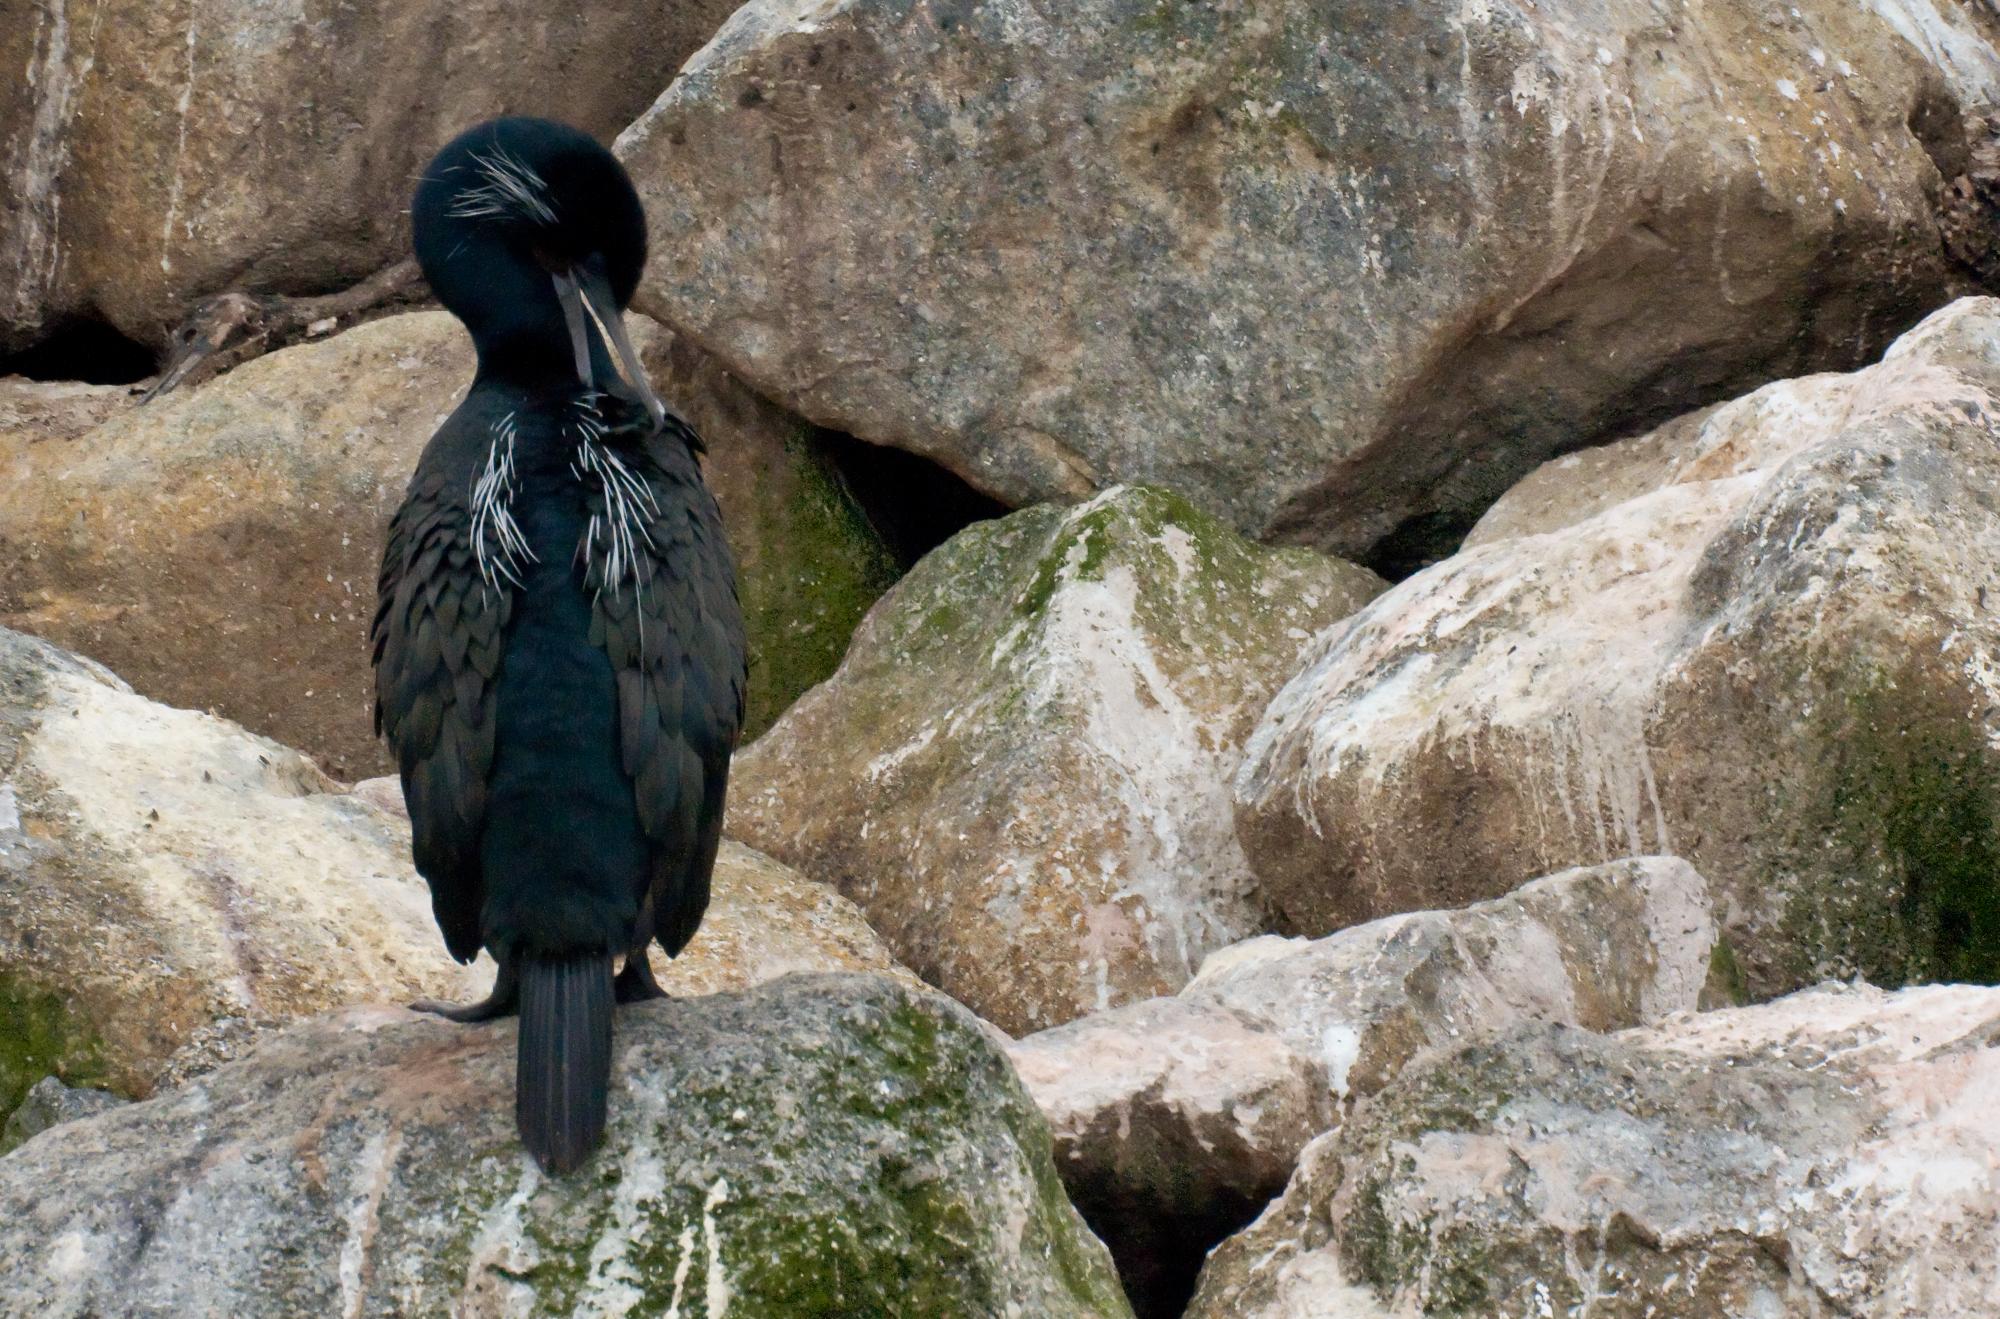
x=635 y=984
x=504 y=1001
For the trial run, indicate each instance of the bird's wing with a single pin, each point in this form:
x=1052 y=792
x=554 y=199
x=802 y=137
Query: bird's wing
x=665 y=612
x=437 y=640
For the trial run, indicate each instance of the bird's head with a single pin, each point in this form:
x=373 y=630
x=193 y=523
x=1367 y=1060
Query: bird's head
x=531 y=233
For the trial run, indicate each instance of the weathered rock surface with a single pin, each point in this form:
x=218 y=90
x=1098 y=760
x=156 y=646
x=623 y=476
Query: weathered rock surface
x=218 y=548
x=171 y=886
x=1828 y=1153
x=822 y=1145
x=50 y=1103
x=1340 y=273
x=1760 y=637
x=154 y=154
x=41 y=411
x=1176 y=1120
x=1021 y=770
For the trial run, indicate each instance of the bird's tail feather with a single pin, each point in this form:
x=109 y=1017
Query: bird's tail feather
x=562 y=1070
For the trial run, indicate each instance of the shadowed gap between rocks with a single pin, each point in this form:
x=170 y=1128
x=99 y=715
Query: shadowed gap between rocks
x=84 y=349
x=914 y=504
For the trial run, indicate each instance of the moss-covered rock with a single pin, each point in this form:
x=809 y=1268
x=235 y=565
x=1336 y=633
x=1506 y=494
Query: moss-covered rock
x=1021 y=769
x=171 y=886
x=1762 y=637
x=824 y=1145
x=1826 y=1153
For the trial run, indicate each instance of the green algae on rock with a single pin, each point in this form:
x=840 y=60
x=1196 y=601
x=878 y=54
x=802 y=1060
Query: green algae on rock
x=1760 y=637
x=1020 y=770
x=821 y=1145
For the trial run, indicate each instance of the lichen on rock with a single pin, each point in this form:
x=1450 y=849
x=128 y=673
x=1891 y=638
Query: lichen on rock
x=1020 y=770
x=1759 y=637
x=1829 y=1152
x=820 y=1145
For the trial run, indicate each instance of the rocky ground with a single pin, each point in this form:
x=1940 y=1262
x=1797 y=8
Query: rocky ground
x=1376 y=687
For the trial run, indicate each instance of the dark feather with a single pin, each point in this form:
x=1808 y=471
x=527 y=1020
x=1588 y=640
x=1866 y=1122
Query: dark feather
x=680 y=693
x=562 y=1072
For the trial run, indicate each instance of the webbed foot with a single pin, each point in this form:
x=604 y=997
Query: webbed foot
x=635 y=984
x=504 y=1001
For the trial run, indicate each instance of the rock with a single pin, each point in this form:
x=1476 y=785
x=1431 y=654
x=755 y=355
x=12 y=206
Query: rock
x=1829 y=1153
x=822 y=1145
x=766 y=920
x=1338 y=275
x=172 y=886
x=1021 y=769
x=156 y=154
x=50 y=1103
x=219 y=547
x=1177 y=1120
x=1175 y=1123
x=41 y=411
x=1758 y=637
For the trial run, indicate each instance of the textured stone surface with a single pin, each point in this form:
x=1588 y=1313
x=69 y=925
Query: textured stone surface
x=171 y=885
x=50 y=1103
x=822 y=1145
x=154 y=154
x=218 y=548
x=1827 y=1153
x=1177 y=1119
x=1021 y=770
x=1174 y=1124
x=1340 y=272
x=1760 y=637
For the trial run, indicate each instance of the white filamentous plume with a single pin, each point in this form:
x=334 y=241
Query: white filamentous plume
x=512 y=188
x=611 y=541
x=498 y=546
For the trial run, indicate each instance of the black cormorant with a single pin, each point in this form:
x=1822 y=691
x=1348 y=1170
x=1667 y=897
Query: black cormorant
x=559 y=660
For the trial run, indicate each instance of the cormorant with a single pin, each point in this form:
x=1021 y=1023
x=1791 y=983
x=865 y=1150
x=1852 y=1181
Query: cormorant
x=559 y=660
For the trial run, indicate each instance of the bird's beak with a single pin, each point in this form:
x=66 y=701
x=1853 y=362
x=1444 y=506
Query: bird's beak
x=585 y=294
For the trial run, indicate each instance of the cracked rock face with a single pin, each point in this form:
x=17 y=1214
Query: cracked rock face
x=154 y=154
x=1338 y=271
x=1021 y=769
x=1176 y=1120
x=1826 y=1153
x=1761 y=637
x=172 y=886
x=820 y=1145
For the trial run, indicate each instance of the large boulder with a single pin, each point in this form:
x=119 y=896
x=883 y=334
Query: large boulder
x=172 y=886
x=823 y=1145
x=1021 y=769
x=1338 y=271
x=1829 y=1153
x=218 y=548
x=153 y=154
x=1760 y=637
x=1176 y=1120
